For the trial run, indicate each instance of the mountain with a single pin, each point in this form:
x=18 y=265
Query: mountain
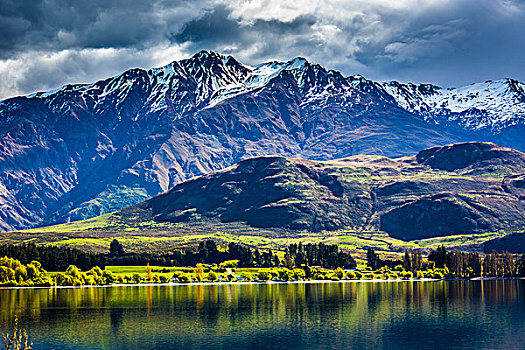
x=88 y=149
x=457 y=189
x=493 y=105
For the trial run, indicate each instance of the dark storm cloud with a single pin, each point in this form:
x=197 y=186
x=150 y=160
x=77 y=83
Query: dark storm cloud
x=457 y=43
x=213 y=27
x=62 y=24
x=47 y=43
x=217 y=30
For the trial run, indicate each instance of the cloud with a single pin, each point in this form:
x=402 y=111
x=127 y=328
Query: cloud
x=42 y=71
x=48 y=43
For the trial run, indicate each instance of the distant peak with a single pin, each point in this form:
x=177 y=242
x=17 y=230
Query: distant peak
x=297 y=62
x=298 y=59
x=206 y=54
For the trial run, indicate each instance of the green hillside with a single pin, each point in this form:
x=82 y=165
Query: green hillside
x=459 y=195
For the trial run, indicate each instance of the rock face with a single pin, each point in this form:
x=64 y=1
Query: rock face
x=84 y=150
x=409 y=198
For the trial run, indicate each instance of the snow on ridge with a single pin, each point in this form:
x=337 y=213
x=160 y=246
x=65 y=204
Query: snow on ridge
x=258 y=77
x=214 y=78
x=490 y=104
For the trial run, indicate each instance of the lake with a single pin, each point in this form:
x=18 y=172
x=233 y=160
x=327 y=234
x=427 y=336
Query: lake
x=393 y=315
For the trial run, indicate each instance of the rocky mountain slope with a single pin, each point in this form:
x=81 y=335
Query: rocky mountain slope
x=458 y=189
x=84 y=150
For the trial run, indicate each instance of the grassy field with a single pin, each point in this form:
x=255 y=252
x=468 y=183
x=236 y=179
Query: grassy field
x=96 y=235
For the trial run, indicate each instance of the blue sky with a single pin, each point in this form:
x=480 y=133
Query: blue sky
x=49 y=43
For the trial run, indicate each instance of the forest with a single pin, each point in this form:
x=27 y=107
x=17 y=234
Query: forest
x=27 y=265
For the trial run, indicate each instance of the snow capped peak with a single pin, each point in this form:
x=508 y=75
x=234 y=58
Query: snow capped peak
x=206 y=54
x=296 y=63
x=493 y=104
x=208 y=78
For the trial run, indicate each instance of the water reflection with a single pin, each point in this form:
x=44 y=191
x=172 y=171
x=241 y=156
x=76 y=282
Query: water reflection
x=475 y=314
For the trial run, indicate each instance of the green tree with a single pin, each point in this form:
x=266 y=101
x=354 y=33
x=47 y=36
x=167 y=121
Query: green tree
x=520 y=265
x=115 y=248
x=417 y=261
x=149 y=273
x=372 y=259
x=263 y=276
x=212 y=276
x=199 y=272
x=407 y=261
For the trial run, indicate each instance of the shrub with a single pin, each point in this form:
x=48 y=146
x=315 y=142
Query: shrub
x=284 y=275
x=339 y=272
x=89 y=280
x=246 y=276
x=212 y=276
x=62 y=279
x=184 y=278
x=399 y=268
x=298 y=274
x=437 y=275
x=319 y=276
x=6 y=274
x=108 y=277
x=333 y=276
x=263 y=276
x=136 y=278
x=229 y=264
x=95 y=271
x=43 y=281
x=384 y=269
x=420 y=275
x=368 y=276
x=351 y=275
x=21 y=273
x=428 y=274
x=358 y=275
x=164 y=279
x=406 y=275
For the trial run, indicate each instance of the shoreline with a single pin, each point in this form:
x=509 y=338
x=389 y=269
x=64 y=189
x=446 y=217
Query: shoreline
x=171 y=284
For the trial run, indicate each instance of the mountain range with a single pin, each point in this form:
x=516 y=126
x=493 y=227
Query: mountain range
x=87 y=149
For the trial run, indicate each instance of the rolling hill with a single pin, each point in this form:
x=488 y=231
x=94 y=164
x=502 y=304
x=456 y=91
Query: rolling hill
x=471 y=189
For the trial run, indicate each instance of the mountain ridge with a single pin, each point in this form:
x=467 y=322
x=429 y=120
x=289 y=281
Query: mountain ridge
x=86 y=149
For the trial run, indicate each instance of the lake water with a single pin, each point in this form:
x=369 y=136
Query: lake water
x=368 y=315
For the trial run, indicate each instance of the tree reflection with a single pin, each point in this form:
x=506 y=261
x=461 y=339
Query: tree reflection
x=369 y=314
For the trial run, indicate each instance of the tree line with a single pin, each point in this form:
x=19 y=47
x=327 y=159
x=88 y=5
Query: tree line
x=53 y=258
x=56 y=258
x=455 y=264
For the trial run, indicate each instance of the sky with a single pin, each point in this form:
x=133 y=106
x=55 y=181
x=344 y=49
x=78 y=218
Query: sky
x=45 y=44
